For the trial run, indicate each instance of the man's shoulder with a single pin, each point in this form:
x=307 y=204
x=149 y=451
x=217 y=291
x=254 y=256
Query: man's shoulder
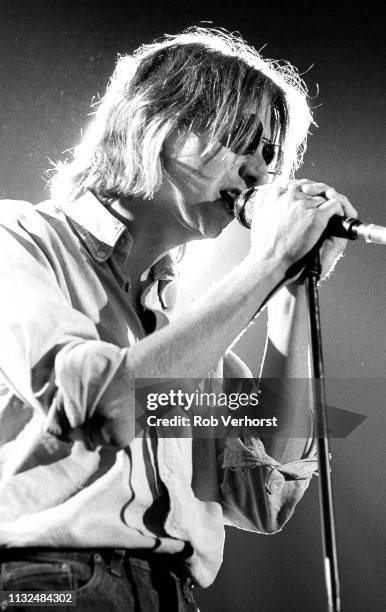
x=22 y=213
x=13 y=209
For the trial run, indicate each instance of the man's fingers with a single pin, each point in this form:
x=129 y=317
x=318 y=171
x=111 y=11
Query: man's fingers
x=314 y=189
x=329 y=193
x=314 y=202
x=331 y=207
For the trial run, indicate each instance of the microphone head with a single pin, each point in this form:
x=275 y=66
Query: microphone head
x=244 y=207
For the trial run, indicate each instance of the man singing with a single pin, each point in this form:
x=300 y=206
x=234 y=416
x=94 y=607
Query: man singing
x=90 y=305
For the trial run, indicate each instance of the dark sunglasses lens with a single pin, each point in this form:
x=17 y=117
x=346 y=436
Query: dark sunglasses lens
x=239 y=140
x=269 y=153
x=254 y=143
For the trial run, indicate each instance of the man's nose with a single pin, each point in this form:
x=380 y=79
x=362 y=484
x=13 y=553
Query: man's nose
x=254 y=175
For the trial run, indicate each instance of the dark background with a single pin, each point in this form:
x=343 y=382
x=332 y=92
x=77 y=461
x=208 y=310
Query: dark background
x=55 y=55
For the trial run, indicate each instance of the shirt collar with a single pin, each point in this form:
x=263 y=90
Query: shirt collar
x=99 y=230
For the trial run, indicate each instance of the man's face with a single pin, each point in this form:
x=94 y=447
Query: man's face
x=199 y=187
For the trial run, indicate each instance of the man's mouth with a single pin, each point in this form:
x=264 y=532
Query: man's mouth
x=228 y=197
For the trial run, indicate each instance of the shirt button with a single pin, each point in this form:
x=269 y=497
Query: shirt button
x=101 y=253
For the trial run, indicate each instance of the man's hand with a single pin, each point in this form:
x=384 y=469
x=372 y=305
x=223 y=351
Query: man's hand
x=291 y=217
x=332 y=247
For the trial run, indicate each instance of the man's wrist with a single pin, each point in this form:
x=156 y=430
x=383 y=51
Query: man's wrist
x=269 y=270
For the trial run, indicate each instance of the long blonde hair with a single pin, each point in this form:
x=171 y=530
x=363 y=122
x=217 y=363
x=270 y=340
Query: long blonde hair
x=203 y=79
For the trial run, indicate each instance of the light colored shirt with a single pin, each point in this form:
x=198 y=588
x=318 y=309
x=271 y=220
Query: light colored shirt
x=67 y=322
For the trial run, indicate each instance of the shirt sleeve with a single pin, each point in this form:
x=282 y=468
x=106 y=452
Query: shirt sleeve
x=51 y=356
x=258 y=493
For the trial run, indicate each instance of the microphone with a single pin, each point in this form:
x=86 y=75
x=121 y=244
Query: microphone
x=343 y=227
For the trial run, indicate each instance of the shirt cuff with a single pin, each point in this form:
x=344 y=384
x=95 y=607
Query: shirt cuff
x=238 y=455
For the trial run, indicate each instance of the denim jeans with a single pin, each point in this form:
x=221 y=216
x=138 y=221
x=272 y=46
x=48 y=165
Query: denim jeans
x=105 y=581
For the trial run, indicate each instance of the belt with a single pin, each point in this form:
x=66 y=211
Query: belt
x=113 y=557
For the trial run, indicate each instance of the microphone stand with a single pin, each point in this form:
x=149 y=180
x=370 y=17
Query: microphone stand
x=352 y=229
x=313 y=272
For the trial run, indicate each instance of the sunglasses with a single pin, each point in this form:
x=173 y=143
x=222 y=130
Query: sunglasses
x=244 y=140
